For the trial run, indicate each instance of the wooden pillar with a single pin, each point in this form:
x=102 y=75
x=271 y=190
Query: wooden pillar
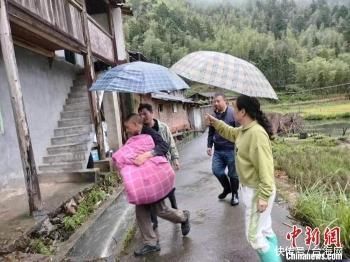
x=91 y=77
x=119 y=34
x=121 y=102
x=113 y=119
x=113 y=33
x=23 y=135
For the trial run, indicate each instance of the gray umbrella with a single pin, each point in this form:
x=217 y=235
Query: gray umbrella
x=224 y=71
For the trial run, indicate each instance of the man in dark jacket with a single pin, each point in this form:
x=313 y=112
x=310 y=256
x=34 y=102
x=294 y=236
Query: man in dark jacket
x=224 y=151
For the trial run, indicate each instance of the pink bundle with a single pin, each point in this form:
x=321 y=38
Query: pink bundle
x=149 y=182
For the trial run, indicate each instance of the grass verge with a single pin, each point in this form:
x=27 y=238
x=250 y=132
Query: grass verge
x=327 y=116
x=86 y=207
x=316 y=160
x=40 y=247
x=317 y=209
x=320 y=171
x=91 y=199
x=128 y=238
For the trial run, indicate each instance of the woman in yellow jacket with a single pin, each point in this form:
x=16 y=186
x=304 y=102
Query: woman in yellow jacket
x=254 y=164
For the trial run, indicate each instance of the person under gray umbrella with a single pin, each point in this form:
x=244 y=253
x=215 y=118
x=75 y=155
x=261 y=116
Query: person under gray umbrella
x=254 y=163
x=223 y=156
x=230 y=73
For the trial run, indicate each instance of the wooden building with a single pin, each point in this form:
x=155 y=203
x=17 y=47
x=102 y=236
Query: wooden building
x=49 y=97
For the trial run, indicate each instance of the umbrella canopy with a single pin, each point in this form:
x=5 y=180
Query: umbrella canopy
x=139 y=77
x=224 y=71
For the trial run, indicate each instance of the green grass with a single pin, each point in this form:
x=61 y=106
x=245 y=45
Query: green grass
x=128 y=238
x=97 y=194
x=321 y=210
x=313 y=161
x=85 y=208
x=295 y=93
x=92 y=197
x=39 y=247
x=325 y=116
x=323 y=110
x=321 y=171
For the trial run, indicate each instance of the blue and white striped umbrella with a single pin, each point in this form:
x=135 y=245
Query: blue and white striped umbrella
x=224 y=71
x=139 y=77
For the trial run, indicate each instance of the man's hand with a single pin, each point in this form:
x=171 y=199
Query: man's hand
x=210 y=119
x=140 y=159
x=210 y=152
x=176 y=164
x=262 y=205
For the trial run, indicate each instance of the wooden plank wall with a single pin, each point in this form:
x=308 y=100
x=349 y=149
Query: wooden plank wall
x=66 y=16
x=101 y=41
x=61 y=14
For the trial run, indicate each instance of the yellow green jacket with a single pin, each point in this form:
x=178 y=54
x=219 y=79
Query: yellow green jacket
x=254 y=160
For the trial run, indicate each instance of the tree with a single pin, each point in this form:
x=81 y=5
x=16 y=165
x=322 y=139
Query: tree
x=288 y=42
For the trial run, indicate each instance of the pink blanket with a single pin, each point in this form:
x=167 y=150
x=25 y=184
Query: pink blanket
x=149 y=182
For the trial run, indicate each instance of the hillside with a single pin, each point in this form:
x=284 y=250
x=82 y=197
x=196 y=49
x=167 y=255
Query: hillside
x=291 y=44
x=244 y=3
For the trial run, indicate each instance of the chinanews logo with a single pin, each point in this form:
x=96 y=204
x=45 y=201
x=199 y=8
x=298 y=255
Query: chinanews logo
x=319 y=246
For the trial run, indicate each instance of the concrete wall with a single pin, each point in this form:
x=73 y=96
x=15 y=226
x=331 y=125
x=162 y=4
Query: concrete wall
x=44 y=90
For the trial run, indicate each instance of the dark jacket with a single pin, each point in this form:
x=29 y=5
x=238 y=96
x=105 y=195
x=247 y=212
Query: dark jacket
x=161 y=147
x=214 y=138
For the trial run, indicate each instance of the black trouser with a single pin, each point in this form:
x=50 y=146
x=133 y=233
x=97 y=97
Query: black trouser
x=173 y=203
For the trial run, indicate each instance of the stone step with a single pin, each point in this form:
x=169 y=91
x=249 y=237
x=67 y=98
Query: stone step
x=74 y=122
x=79 y=81
x=74 y=130
x=79 y=106
x=75 y=114
x=79 y=88
x=81 y=175
x=67 y=157
x=80 y=76
x=61 y=167
x=78 y=94
x=68 y=148
x=77 y=100
x=70 y=139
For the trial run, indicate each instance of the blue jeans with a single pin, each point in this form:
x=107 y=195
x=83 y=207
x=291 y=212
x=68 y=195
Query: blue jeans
x=223 y=159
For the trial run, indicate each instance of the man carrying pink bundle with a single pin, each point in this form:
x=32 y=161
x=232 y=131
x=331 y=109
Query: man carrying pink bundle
x=147 y=175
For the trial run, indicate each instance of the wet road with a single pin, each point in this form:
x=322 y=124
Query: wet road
x=217 y=232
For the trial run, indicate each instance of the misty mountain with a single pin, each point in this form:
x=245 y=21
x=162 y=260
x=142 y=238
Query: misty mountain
x=244 y=3
x=293 y=46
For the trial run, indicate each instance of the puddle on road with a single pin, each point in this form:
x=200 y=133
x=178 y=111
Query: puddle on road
x=199 y=216
x=199 y=185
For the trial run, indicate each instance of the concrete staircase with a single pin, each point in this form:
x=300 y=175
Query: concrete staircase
x=68 y=154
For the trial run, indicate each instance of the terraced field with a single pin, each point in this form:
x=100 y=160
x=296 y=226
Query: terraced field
x=327 y=117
